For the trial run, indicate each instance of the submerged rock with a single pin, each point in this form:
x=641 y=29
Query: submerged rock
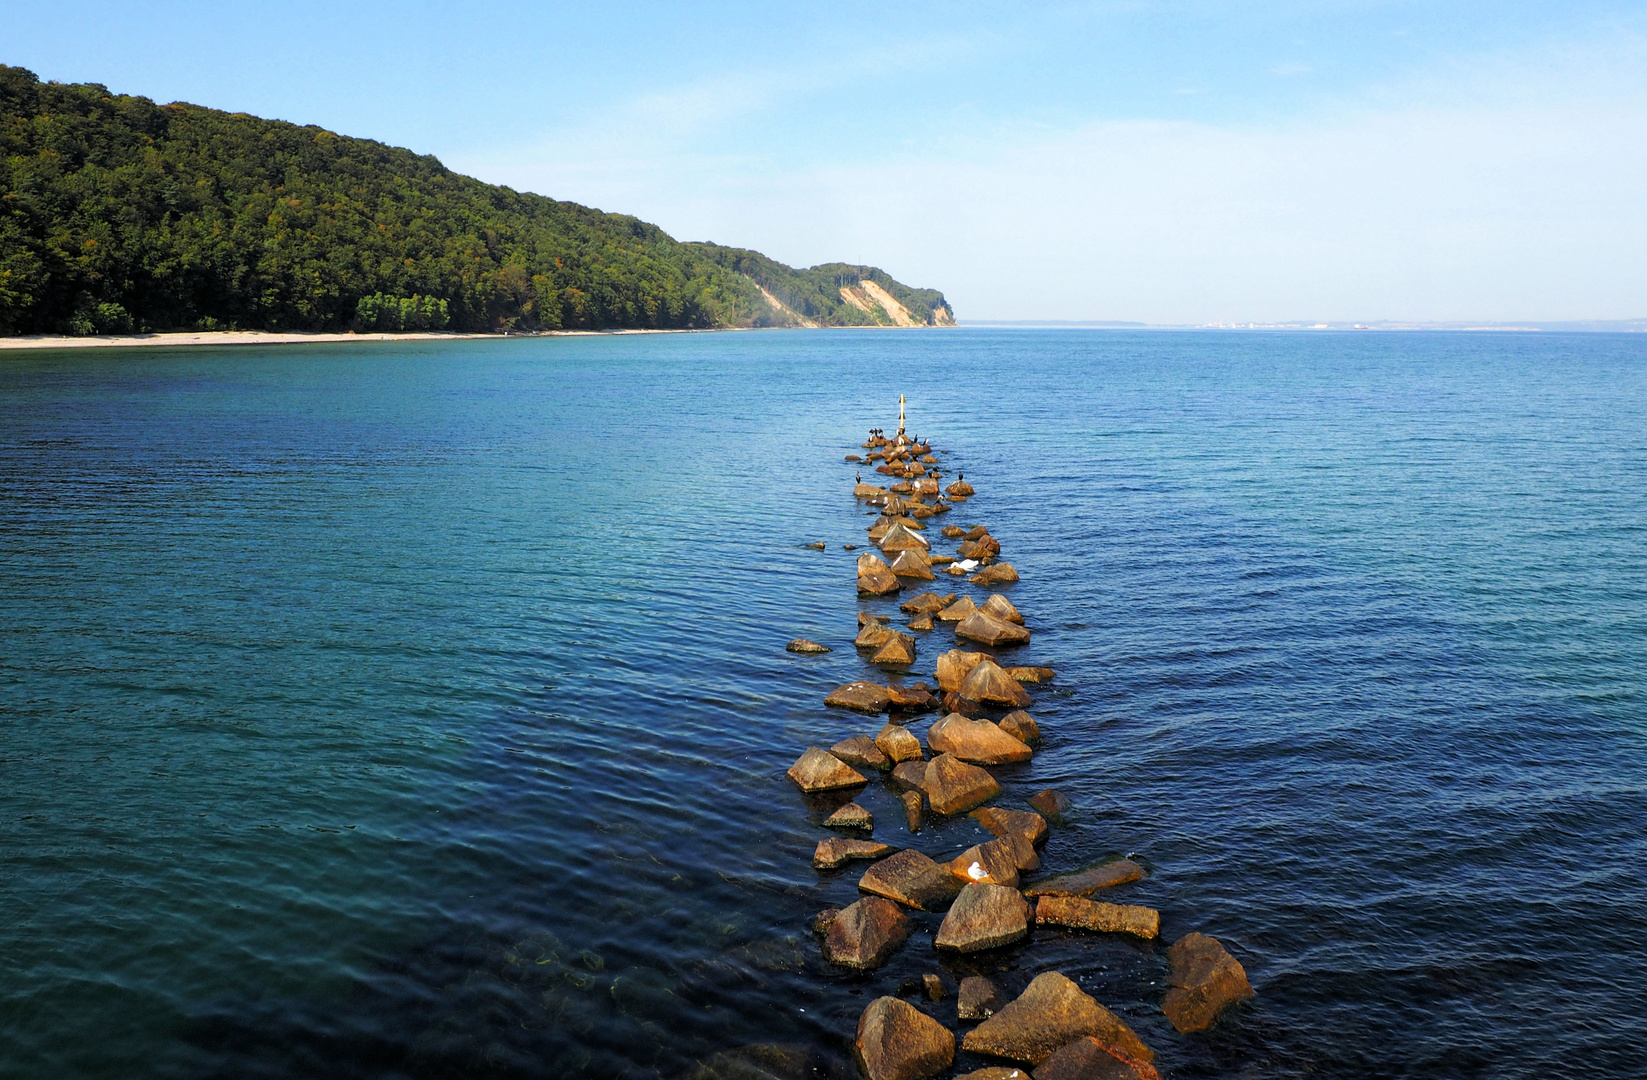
x=985 y=547
x=986 y=629
x=865 y=618
x=850 y=816
x=1032 y=827
x=1081 y=914
x=1051 y=1013
x=1088 y=1058
x=1086 y=881
x=801 y=645
x=898 y=651
x=865 y=697
x=1204 y=979
x=1030 y=674
x=819 y=770
x=866 y=933
x=817 y=545
x=984 y=916
x=897 y=1041
x=977 y=741
x=987 y=683
x=1052 y=803
x=861 y=750
x=979 y=998
x=999 y=574
x=914 y=803
x=954 y=787
x=1000 y=607
x=898 y=744
x=1022 y=726
x=921 y=622
x=954 y=666
x=912 y=880
x=836 y=851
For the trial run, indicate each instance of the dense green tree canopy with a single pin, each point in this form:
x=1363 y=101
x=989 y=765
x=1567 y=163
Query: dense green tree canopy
x=119 y=214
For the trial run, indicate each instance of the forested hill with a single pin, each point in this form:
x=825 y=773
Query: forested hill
x=117 y=214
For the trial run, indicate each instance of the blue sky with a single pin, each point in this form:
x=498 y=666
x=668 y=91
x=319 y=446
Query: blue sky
x=1165 y=162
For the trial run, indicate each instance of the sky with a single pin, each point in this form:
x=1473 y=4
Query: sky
x=1173 y=162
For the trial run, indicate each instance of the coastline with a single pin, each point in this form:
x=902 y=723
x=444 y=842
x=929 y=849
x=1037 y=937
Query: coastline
x=272 y=337
x=319 y=337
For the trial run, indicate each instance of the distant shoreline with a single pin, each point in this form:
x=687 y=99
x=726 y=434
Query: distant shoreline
x=273 y=337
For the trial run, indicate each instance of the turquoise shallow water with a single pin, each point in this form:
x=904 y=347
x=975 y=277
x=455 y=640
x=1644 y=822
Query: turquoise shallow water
x=421 y=710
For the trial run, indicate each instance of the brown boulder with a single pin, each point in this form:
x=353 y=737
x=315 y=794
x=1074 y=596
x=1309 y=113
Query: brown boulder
x=999 y=574
x=850 y=816
x=801 y=645
x=898 y=652
x=959 y=610
x=1022 y=726
x=1049 y=1014
x=1204 y=978
x=1000 y=607
x=861 y=750
x=986 y=547
x=979 y=998
x=1086 y=881
x=995 y=1072
x=984 y=916
x=941 y=560
x=897 y=1041
x=924 y=603
x=875 y=578
x=902 y=538
x=1079 y=914
x=898 y=744
x=954 y=532
x=867 y=491
x=914 y=809
x=977 y=741
x=955 y=571
x=873 y=634
x=976 y=532
x=910 y=699
x=1051 y=802
x=866 y=933
x=988 y=630
x=954 y=666
x=921 y=622
x=836 y=851
x=993 y=861
x=1023 y=852
x=912 y=880
x=865 y=618
x=954 y=787
x=960 y=488
x=1032 y=827
x=910 y=775
x=912 y=564
x=987 y=683
x=863 y=696
x=1089 y=1059
x=819 y=770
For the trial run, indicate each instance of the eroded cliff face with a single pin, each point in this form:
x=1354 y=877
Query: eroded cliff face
x=880 y=305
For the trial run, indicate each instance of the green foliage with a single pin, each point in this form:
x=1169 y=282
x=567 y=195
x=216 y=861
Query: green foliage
x=380 y=312
x=115 y=211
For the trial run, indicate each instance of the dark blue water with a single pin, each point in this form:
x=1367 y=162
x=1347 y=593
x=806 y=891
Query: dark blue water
x=422 y=710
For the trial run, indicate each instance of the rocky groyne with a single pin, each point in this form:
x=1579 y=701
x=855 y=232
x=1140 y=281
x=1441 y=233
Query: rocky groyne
x=978 y=714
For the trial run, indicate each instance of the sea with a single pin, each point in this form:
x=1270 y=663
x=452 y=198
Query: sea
x=422 y=709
